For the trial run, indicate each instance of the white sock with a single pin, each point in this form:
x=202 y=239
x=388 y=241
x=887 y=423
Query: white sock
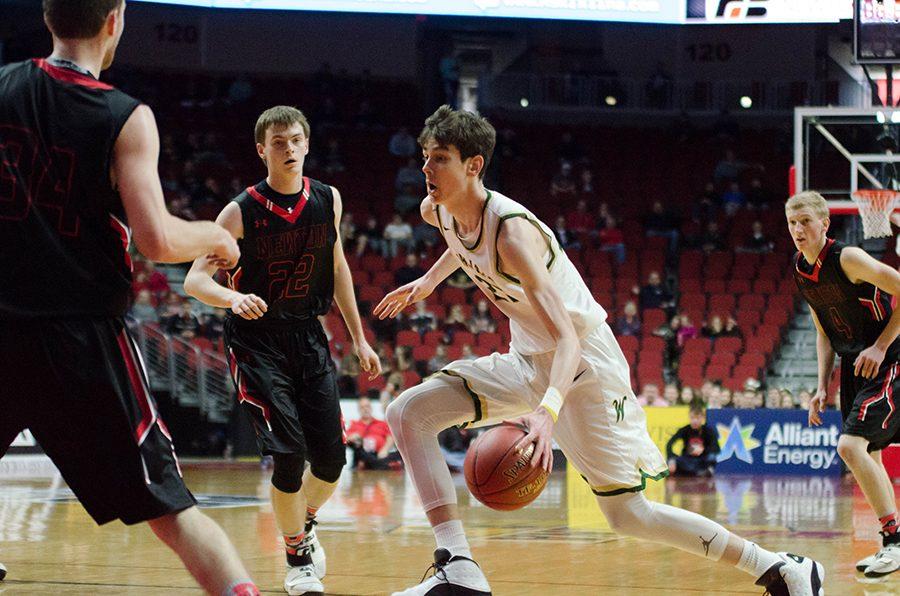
x=450 y=535
x=756 y=560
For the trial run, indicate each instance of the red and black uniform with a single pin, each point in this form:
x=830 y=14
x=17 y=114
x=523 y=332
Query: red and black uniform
x=281 y=363
x=852 y=317
x=70 y=372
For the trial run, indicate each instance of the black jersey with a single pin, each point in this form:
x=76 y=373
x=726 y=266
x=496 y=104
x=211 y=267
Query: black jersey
x=852 y=315
x=287 y=252
x=63 y=238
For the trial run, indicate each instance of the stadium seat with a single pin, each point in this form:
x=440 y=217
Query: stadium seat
x=408 y=337
x=730 y=345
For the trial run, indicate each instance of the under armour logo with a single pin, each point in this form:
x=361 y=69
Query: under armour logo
x=262 y=223
x=706 y=543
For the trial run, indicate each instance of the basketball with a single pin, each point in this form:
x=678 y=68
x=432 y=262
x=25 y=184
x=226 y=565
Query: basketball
x=498 y=475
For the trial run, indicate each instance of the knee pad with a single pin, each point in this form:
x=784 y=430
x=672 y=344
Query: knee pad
x=328 y=472
x=287 y=475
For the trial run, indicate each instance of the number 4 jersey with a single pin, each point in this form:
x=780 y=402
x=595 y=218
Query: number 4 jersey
x=287 y=252
x=63 y=238
x=852 y=315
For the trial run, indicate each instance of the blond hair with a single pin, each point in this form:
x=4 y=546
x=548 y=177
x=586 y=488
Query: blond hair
x=279 y=116
x=808 y=199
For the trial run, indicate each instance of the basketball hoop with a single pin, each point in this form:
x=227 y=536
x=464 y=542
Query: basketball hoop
x=875 y=207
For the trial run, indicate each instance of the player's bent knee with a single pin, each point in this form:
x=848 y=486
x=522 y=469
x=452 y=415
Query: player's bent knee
x=328 y=472
x=850 y=447
x=287 y=473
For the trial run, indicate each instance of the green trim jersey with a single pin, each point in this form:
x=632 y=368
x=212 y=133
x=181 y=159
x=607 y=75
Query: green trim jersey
x=479 y=258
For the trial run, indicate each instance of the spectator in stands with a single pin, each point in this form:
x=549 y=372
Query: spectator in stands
x=459 y=279
x=654 y=294
x=241 y=91
x=650 y=396
x=565 y=237
x=727 y=398
x=439 y=360
x=407 y=200
x=370 y=237
x=169 y=310
x=733 y=200
x=334 y=157
x=687 y=330
x=759 y=197
x=410 y=174
x=569 y=150
x=787 y=401
x=629 y=323
x=455 y=321
x=142 y=309
x=386 y=329
x=803 y=398
x=659 y=88
x=706 y=390
x=348 y=372
x=706 y=203
x=348 y=230
x=392 y=390
x=507 y=144
x=425 y=235
x=467 y=353
x=397 y=234
x=603 y=213
x=717 y=398
x=714 y=327
x=410 y=271
x=580 y=221
x=214 y=324
x=712 y=239
x=403 y=144
x=670 y=394
x=669 y=333
x=611 y=239
x=586 y=183
x=687 y=396
x=700 y=446
x=757 y=241
x=371 y=441
x=731 y=328
x=403 y=359
x=454 y=443
x=728 y=169
x=661 y=222
x=157 y=282
x=482 y=320
x=186 y=325
x=773 y=398
x=422 y=320
x=449 y=69
x=562 y=185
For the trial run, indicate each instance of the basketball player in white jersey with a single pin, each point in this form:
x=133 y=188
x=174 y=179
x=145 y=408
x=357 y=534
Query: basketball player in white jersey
x=564 y=366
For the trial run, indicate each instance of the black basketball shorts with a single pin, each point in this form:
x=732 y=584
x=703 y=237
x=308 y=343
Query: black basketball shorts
x=80 y=386
x=871 y=407
x=285 y=381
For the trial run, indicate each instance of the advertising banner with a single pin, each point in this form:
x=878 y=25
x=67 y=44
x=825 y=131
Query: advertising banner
x=776 y=442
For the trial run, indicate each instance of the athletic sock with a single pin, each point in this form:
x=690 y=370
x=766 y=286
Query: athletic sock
x=450 y=535
x=310 y=518
x=241 y=587
x=889 y=529
x=756 y=560
x=295 y=555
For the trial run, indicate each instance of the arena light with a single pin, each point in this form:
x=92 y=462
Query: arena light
x=611 y=100
x=746 y=102
x=880 y=117
x=524 y=102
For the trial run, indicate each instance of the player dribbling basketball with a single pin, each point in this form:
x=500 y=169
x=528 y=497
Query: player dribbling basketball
x=564 y=366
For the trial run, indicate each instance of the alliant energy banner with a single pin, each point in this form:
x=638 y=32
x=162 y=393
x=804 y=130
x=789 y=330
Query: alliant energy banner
x=776 y=442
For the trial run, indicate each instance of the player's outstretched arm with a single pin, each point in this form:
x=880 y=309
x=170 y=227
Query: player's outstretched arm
x=860 y=266
x=200 y=284
x=159 y=235
x=346 y=299
x=521 y=247
x=825 y=360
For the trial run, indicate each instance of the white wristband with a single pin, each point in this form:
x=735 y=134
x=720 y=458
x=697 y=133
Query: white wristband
x=553 y=401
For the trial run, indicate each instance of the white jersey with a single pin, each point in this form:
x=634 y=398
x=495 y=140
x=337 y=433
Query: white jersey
x=481 y=261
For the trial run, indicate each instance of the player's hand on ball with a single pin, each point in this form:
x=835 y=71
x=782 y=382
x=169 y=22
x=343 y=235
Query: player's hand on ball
x=868 y=362
x=392 y=304
x=249 y=306
x=368 y=359
x=539 y=425
x=817 y=405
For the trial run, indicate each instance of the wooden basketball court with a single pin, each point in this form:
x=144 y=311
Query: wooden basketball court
x=377 y=539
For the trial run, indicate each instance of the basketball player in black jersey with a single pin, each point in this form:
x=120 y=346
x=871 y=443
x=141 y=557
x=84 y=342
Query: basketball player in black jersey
x=850 y=298
x=78 y=159
x=290 y=270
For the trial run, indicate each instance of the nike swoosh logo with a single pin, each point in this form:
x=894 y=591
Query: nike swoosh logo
x=578 y=376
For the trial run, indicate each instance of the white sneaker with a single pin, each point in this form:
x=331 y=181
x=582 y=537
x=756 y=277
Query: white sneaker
x=311 y=541
x=863 y=563
x=457 y=575
x=793 y=576
x=302 y=580
x=887 y=561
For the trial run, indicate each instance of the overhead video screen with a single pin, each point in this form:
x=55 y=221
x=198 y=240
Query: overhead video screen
x=635 y=11
x=877 y=32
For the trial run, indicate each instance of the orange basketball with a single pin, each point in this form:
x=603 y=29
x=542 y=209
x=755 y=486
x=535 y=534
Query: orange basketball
x=498 y=475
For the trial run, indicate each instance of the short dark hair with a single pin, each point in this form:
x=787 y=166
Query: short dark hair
x=470 y=133
x=77 y=19
x=279 y=116
x=697 y=407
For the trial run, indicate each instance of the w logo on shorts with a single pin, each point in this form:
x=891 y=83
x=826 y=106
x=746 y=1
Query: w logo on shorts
x=619 y=407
